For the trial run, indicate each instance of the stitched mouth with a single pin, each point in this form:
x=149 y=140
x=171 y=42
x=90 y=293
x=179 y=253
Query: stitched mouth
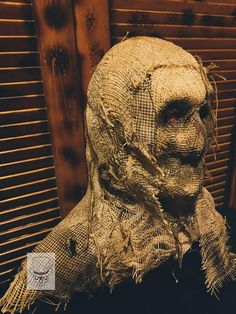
x=186 y=158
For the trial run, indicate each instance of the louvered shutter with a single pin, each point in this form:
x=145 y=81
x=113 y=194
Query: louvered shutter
x=206 y=29
x=28 y=200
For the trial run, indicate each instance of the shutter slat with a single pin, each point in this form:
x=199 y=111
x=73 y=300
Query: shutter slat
x=218 y=163
x=218 y=171
x=16 y=28
x=26 y=219
x=23 y=102
x=225 y=103
x=215 y=179
x=21 y=89
x=28 y=209
x=38 y=174
x=174 y=18
x=218 y=54
x=29 y=228
x=226 y=94
x=14 y=117
x=216 y=186
x=26 y=153
x=18 y=44
x=27 y=198
x=33 y=127
x=26 y=188
x=19 y=59
x=164 y=31
x=20 y=74
x=9 y=11
x=29 y=205
x=28 y=238
x=219 y=156
x=169 y=6
x=22 y=167
x=23 y=142
x=194 y=43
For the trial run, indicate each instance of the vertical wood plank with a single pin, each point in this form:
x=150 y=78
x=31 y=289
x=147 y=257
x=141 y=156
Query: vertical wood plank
x=92 y=35
x=232 y=197
x=57 y=46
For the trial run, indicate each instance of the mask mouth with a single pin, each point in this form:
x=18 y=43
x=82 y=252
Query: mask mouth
x=178 y=206
x=192 y=158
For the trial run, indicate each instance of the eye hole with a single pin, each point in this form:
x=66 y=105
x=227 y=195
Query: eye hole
x=175 y=111
x=172 y=117
x=204 y=111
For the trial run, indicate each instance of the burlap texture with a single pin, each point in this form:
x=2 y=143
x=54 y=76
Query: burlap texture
x=121 y=228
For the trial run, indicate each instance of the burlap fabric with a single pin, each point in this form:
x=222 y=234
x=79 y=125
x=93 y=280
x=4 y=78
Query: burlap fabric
x=144 y=150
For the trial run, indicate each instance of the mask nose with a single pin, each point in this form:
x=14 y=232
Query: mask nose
x=191 y=141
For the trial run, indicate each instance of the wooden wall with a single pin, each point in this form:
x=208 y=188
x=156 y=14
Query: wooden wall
x=205 y=28
x=29 y=206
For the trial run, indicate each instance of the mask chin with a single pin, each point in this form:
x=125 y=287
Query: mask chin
x=178 y=197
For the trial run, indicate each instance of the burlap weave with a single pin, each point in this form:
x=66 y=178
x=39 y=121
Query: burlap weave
x=137 y=152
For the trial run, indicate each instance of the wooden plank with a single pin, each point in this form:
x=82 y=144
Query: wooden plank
x=21 y=89
x=227 y=74
x=21 y=103
x=229 y=64
x=226 y=85
x=5 y=277
x=26 y=219
x=183 y=6
x=33 y=127
x=217 y=54
x=25 y=167
x=222 y=147
x=226 y=112
x=171 y=17
x=22 y=142
x=219 y=156
x=9 y=11
x=218 y=163
x=217 y=186
x=225 y=103
x=27 y=199
x=17 y=28
x=26 y=153
x=165 y=31
x=215 y=179
x=19 y=59
x=20 y=74
x=61 y=76
x=14 y=117
x=225 y=129
x=195 y=43
x=92 y=31
x=28 y=209
x=29 y=228
x=18 y=44
x=17 y=242
x=25 y=189
x=227 y=94
x=39 y=174
x=226 y=121
x=231 y=2
x=18 y=2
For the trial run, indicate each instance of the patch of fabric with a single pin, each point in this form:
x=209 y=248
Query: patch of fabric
x=144 y=114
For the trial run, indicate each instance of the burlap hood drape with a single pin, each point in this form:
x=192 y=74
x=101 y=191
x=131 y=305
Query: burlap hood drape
x=120 y=229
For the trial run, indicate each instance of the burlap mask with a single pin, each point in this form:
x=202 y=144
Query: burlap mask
x=149 y=125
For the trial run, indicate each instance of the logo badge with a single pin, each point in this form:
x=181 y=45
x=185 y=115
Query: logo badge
x=41 y=271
